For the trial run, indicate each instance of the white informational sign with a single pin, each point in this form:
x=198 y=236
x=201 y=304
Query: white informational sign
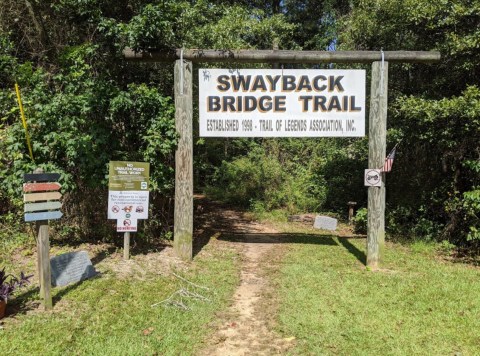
x=128 y=193
x=127 y=207
x=373 y=178
x=281 y=103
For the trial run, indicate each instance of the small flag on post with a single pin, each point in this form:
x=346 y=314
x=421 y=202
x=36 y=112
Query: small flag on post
x=387 y=166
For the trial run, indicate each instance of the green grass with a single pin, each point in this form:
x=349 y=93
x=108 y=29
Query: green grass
x=112 y=316
x=418 y=304
x=10 y=241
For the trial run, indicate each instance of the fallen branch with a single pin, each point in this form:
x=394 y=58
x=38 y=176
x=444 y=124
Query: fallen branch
x=178 y=304
x=193 y=284
x=183 y=293
x=166 y=300
x=188 y=294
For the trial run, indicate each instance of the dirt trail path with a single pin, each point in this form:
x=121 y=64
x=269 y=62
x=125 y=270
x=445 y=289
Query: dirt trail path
x=244 y=328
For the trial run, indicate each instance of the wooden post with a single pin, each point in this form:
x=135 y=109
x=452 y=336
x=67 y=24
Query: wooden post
x=351 y=207
x=39 y=257
x=275 y=48
x=43 y=259
x=183 y=215
x=126 y=245
x=376 y=158
x=45 y=277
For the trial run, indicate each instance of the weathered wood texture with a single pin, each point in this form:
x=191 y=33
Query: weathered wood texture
x=43 y=245
x=351 y=210
x=183 y=216
x=376 y=158
x=44 y=215
x=40 y=187
x=51 y=205
x=41 y=196
x=275 y=56
x=39 y=257
x=126 y=246
x=41 y=177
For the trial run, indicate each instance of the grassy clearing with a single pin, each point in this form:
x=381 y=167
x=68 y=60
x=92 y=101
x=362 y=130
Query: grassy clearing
x=419 y=304
x=113 y=316
x=11 y=240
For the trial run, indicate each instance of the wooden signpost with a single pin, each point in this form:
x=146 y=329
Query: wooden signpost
x=42 y=206
x=41 y=193
x=41 y=196
x=41 y=177
x=40 y=187
x=183 y=212
x=128 y=196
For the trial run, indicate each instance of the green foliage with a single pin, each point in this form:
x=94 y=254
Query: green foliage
x=153 y=27
x=297 y=175
x=79 y=120
x=434 y=108
x=148 y=133
x=318 y=19
x=360 y=221
x=173 y=24
x=86 y=106
x=252 y=29
x=471 y=205
x=450 y=128
x=263 y=175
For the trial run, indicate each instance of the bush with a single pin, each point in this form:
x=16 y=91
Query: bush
x=360 y=221
x=79 y=119
x=263 y=177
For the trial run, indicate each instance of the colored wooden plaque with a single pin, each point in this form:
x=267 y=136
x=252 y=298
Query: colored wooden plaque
x=41 y=177
x=41 y=196
x=40 y=187
x=47 y=215
x=51 y=205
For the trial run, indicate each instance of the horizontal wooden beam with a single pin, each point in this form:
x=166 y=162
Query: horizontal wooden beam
x=40 y=187
x=51 y=205
x=41 y=177
x=275 y=56
x=41 y=196
x=47 y=215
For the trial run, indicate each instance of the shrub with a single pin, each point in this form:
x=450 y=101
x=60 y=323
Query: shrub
x=360 y=221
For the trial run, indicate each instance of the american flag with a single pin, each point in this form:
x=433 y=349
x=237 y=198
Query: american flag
x=387 y=167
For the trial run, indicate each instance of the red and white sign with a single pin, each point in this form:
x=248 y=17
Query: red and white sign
x=127 y=207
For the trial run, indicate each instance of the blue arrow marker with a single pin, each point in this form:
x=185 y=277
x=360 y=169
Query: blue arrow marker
x=48 y=215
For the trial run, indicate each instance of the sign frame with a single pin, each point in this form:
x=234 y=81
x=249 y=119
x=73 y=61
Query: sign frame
x=282 y=103
x=373 y=178
x=128 y=193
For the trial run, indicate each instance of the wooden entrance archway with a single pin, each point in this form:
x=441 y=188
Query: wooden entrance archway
x=184 y=59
